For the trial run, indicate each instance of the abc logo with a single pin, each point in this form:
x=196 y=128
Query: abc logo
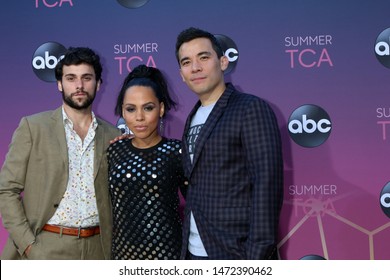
x=45 y=60
x=385 y=199
x=132 y=4
x=230 y=50
x=309 y=126
x=382 y=48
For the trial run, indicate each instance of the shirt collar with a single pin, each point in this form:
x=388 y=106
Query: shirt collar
x=68 y=121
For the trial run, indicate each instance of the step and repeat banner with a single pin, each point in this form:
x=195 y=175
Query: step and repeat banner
x=324 y=67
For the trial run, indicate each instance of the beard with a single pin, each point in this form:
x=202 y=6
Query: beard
x=68 y=99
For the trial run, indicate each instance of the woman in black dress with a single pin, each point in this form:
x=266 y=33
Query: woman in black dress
x=145 y=173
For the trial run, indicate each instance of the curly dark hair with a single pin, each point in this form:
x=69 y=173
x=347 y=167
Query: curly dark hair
x=77 y=56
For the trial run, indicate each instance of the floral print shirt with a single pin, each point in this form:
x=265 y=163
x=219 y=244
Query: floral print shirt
x=78 y=206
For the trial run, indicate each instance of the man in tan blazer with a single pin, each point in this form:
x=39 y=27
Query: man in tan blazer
x=54 y=197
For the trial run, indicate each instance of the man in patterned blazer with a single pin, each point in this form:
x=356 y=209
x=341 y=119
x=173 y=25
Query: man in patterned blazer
x=54 y=196
x=232 y=158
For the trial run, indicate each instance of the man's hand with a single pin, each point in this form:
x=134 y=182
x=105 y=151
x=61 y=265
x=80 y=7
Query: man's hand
x=123 y=136
x=27 y=251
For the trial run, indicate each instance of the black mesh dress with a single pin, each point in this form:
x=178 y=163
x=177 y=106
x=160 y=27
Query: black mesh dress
x=144 y=186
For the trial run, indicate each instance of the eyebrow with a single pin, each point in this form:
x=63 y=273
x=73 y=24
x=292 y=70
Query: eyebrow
x=83 y=75
x=146 y=104
x=199 y=54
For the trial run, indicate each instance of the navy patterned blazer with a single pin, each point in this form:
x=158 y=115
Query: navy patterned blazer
x=236 y=179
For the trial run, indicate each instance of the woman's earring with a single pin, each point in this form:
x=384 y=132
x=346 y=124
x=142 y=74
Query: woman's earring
x=161 y=126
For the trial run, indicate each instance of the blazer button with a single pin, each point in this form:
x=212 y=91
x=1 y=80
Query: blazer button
x=55 y=205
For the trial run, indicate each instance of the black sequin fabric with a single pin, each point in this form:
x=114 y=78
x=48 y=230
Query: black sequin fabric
x=144 y=185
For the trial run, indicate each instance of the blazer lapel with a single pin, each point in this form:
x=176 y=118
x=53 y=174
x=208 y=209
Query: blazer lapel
x=208 y=127
x=59 y=131
x=99 y=147
x=187 y=158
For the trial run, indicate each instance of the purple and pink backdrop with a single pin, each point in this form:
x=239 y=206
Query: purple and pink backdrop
x=291 y=53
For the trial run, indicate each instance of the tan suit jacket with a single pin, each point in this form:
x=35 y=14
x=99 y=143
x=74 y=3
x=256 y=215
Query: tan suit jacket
x=34 y=178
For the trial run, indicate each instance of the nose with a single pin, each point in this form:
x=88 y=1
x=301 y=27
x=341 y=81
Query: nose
x=139 y=115
x=196 y=66
x=79 y=85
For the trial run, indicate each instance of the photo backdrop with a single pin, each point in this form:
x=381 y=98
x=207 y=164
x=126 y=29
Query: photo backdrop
x=322 y=65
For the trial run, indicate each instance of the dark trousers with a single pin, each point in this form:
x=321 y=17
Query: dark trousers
x=190 y=256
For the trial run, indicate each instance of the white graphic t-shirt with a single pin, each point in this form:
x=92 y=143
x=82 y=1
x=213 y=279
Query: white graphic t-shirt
x=195 y=244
